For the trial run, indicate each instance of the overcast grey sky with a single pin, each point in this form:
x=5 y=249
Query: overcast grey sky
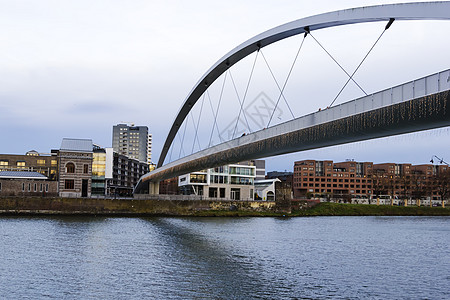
x=76 y=68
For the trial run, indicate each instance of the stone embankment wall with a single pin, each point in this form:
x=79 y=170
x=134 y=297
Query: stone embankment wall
x=94 y=206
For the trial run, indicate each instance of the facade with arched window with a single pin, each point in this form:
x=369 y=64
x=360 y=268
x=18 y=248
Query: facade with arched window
x=75 y=173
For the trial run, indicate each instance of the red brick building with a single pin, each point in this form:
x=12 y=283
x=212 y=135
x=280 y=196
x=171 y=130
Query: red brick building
x=328 y=179
x=406 y=181
x=351 y=179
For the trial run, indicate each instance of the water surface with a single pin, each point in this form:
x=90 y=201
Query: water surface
x=225 y=258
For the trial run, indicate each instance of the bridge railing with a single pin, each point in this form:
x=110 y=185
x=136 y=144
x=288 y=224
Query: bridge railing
x=428 y=85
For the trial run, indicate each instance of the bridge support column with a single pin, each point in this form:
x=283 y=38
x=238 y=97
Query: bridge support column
x=154 y=188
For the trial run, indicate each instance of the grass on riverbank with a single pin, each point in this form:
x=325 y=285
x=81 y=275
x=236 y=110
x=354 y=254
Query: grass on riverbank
x=336 y=209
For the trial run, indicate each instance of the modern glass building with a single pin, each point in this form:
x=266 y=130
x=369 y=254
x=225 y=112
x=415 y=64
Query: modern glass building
x=98 y=171
x=234 y=181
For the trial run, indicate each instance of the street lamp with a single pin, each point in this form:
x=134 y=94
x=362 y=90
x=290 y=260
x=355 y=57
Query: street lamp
x=441 y=160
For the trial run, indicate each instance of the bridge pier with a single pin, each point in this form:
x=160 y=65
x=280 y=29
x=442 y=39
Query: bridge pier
x=153 y=188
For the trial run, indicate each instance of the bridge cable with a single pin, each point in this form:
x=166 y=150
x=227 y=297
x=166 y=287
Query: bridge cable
x=337 y=62
x=182 y=139
x=285 y=82
x=195 y=136
x=197 y=127
x=171 y=151
x=348 y=80
x=214 y=114
x=245 y=94
x=276 y=82
x=217 y=110
x=239 y=99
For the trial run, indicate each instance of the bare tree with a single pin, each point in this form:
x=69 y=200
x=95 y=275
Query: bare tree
x=442 y=181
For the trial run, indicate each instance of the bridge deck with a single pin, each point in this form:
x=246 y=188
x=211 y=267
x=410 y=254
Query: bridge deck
x=416 y=105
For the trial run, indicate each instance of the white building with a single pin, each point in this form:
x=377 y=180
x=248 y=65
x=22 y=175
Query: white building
x=265 y=189
x=234 y=181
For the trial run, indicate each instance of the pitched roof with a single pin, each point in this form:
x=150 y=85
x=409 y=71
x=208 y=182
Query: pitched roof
x=22 y=175
x=79 y=145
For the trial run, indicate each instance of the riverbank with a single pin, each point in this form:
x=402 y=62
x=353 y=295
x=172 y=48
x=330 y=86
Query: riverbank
x=201 y=208
x=338 y=209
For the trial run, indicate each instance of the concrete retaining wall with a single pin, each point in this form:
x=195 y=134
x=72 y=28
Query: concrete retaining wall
x=38 y=205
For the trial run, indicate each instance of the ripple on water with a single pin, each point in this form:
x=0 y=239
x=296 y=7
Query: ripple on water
x=221 y=258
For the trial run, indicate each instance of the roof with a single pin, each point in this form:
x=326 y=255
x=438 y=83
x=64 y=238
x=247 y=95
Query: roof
x=267 y=181
x=78 y=145
x=22 y=175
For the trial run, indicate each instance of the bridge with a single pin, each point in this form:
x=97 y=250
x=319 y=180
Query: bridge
x=413 y=106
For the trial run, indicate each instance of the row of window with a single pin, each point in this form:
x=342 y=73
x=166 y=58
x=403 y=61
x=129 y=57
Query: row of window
x=22 y=164
x=296 y=179
x=334 y=185
x=242 y=171
x=330 y=191
x=34 y=187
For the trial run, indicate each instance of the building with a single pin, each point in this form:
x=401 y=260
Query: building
x=113 y=174
x=266 y=189
x=363 y=181
x=133 y=141
x=286 y=177
x=260 y=165
x=122 y=173
x=406 y=181
x=99 y=162
x=326 y=179
x=75 y=167
x=169 y=186
x=30 y=174
x=32 y=161
x=234 y=181
x=26 y=183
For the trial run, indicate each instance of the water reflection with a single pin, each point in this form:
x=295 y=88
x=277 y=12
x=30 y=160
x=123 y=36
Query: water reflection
x=209 y=265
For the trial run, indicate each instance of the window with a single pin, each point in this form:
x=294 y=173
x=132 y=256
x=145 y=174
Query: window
x=29 y=187
x=23 y=187
x=40 y=162
x=40 y=189
x=21 y=165
x=0 y=186
x=86 y=169
x=54 y=162
x=4 y=163
x=69 y=184
x=35 y=187
x=46 y=187
x=70 y=168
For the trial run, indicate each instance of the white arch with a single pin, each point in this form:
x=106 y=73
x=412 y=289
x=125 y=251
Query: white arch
x=405 y=11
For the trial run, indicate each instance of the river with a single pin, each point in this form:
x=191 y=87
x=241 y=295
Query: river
x=225 y=258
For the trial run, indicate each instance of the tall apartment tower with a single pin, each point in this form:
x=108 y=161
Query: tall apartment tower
x=132 y=141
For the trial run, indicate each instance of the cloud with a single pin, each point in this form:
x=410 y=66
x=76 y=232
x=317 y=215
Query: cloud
x=75 y=68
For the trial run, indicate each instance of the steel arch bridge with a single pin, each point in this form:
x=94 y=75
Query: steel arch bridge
x=270 y=142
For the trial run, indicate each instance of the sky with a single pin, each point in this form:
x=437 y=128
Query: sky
x=76 y=68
